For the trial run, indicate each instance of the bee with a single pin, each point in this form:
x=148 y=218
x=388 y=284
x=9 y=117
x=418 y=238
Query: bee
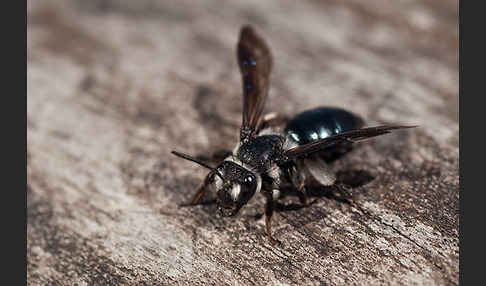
x=268 y=159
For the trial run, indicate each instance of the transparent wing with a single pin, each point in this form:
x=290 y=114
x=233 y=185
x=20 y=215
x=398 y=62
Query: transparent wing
x=320 y=170
x=349 y=136
x=255 y=62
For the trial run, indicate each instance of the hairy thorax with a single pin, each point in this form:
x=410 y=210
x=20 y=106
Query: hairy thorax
x=261 y=151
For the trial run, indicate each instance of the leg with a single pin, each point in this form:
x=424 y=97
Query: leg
x=302 y=194
x=347 y=197
x=343 y=191
x=298 y=179
x=200 y=192
x=269 y=207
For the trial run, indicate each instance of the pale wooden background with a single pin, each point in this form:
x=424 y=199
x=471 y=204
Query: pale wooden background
x=113 y=86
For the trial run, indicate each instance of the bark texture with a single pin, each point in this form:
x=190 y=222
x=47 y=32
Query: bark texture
x=114 y=86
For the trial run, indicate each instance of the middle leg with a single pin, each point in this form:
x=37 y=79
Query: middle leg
x=269 y=209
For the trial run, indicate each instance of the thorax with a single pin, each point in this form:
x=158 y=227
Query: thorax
x=260 y=152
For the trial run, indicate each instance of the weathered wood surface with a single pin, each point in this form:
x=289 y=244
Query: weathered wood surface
x=113 y=86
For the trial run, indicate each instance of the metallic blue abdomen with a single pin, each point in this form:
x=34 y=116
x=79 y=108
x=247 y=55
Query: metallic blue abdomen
x=319 y=123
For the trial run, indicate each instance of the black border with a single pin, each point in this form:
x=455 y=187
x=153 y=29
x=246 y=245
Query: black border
x=461 y=160
x=462 y=154
x=17 y=39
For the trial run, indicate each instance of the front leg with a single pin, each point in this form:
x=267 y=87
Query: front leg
x=200 y=192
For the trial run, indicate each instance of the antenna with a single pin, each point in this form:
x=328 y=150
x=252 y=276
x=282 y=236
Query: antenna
x=192 y=159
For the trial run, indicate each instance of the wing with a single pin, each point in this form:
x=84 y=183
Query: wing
x=349 y=136
x=320 y=170
x=255 y=62
x=274 y=121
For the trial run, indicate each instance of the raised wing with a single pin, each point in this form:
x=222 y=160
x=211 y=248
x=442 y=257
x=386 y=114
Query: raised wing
x=349 y=136
x=255 y=62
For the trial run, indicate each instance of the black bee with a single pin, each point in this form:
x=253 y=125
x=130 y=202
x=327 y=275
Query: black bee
x=267 y=160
